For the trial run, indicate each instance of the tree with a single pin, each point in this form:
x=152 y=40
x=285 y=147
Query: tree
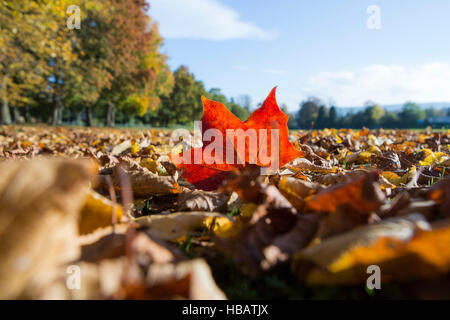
x=184 y=103
x=91 y=66
x=432 y=112
x=389 y=120
x=410 y=114
x=239 y=111
x=216 y=95
x=131 y=51
x=244 y=101
x=21 y=43
x=333 y=117
x=376 y=113
x=308 y=112
x=322 y=117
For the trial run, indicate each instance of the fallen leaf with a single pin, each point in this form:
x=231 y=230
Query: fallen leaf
x=186 y=280
x=199 y=200
x=120 y=148
x=39 y=205
x=296 y=190
x=180 y=225
x=97 y=212
x=343 y=259
x=216 y=116
x=273 y=233
x=143 y=181
x=363 y=194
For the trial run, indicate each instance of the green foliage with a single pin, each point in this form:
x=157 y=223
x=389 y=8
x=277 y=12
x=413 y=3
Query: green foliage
x=410 y=114
x=307 y=115
x=332 y=117
x=322 y=118
x=135 y=104
x=184 y=103
x=313 y=113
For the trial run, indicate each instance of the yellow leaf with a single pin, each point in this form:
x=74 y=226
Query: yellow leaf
x=177 y=226
x=394 y=245
x=97 y=213
x=433 y=158
x=150 y=164
x=134 y=148
x=26 y=143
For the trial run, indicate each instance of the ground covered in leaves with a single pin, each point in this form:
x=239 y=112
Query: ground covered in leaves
x=105 y=211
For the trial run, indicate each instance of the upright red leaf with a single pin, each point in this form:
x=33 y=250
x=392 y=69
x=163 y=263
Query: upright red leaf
x=268 y=117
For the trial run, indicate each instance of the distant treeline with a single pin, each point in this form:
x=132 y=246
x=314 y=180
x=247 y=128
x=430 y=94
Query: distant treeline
x=313 y=113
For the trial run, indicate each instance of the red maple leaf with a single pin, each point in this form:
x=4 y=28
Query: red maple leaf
x=209 y=173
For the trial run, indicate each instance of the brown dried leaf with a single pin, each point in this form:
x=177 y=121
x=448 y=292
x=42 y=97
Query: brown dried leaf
x=143 y=181
x=199 y=200
x=39 y=205
x=273 y=233
x=343 y=259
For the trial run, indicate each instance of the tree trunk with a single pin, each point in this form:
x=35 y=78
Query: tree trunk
x=57 y=114
x=89 y=116
x=16 y=115
x=27 y=114
x=5 y=115
x=110 y=115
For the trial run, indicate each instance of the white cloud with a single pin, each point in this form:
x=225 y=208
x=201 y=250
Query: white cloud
x=275 y=71
x=385 y=84
x=203 y=19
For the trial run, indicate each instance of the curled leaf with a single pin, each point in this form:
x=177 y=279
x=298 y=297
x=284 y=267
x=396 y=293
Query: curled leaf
x=97 y=212
x=393 y=244
x=199 y=200
x=177 y=226
x=143 y=181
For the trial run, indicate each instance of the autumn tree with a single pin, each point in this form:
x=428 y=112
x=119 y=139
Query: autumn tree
x=21 y=70
x=129 y=47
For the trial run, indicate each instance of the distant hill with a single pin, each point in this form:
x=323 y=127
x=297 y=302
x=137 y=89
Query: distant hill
x=342 y=111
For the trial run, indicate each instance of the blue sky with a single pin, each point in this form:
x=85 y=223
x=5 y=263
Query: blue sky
x=322 y=48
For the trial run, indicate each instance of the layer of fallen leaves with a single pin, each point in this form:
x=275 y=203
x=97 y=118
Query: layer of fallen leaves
x=109 y=204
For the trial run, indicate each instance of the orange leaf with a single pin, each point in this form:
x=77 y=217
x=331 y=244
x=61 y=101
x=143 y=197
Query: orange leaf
x=209 y=174
x=362 y=193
